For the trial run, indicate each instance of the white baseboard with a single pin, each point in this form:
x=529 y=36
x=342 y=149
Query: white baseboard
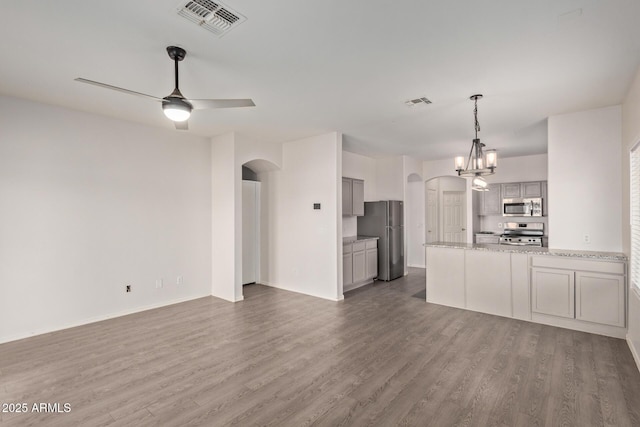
x=634 y=352
x=417 y=265
x=284 y=288
x=95 y=319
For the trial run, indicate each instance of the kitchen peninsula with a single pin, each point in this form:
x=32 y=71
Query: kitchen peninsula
x=581 y=290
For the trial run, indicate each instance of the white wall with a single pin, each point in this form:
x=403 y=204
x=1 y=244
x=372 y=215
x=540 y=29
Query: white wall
x=630 y=136
x=306 y=244
x=414 y=192
x=390 y=179
x=360 y=167
x=228 y=153
x=90 y=204
x=226 y=230
x=414 y=224
x=585 y=190
x=520 y=169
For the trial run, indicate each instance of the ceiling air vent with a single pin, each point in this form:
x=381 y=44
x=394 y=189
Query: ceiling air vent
x=213 y=16
x=417 y=101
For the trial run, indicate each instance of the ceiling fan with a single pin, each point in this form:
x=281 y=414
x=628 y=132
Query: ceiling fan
x=175 y=106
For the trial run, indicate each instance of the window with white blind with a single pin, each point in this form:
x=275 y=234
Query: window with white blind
x=635 y=216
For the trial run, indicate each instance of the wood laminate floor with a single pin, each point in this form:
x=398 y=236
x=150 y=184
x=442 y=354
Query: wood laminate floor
x=380 y=357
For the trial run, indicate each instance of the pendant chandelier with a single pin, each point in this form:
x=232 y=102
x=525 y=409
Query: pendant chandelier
x=480 y=162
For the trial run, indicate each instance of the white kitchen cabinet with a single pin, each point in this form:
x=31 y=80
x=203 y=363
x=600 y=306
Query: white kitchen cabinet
x=491 y=201
x=552 y=292
x=520 y=293
x=574 y=292
x=445 y=276
x=581 y=289
x=352 y=197
x=488 y=282
x=600 y=298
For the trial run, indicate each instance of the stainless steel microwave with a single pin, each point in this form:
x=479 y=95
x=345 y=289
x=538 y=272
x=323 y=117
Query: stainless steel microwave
x=522 y=207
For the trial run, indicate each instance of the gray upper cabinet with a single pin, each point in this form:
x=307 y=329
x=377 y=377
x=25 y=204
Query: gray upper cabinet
x=352 y=197
x=358 y=197
x=531 y=189
x=347 y=196
x=525 y=190
x=511 y=191
x=491 y=203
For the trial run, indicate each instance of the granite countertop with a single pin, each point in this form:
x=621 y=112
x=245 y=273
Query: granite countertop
x=533 y=250
x=351 y=239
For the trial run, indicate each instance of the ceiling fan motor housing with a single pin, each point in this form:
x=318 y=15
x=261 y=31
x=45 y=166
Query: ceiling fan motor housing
x=176 y=53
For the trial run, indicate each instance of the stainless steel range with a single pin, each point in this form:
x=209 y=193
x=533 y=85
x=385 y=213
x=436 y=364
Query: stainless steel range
x=522 y=234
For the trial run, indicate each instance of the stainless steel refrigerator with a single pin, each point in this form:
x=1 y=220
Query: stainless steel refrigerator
x=384 y=219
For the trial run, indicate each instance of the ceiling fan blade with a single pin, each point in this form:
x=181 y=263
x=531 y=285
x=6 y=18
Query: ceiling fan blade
x=205 y=104
x=119 y=89
x=182 y=125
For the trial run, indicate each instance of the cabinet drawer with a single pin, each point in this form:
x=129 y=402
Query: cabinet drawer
x=578 y=264
x=359 y=246
x=371 y=244
x=347 y=248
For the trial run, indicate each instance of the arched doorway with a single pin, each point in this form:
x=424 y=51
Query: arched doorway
x=255 y=222
x=446 y=210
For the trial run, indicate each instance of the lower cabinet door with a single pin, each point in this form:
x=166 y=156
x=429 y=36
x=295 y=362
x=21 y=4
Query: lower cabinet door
x=347 y=269
x=553 y=292
x=359 y=266
x=372 y=263
x=600 y=298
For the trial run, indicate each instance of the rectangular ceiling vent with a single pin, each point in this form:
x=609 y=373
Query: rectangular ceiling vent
x=417 y=101
x=213 y=16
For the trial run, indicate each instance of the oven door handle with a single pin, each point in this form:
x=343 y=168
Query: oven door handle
x=515 y=244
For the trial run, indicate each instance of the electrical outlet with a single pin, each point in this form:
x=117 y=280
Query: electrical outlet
x=179 y=280
x=587 y=238
x=158 y=283
x=128 y=288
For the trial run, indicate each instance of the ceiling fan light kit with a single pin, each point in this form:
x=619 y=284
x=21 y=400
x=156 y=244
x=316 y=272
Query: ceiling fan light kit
x=176 y=109
x=175 y=106
x=480 y=162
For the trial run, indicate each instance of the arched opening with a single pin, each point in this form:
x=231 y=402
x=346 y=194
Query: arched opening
x=446 y=210
x=255 y=221
x=414 y=221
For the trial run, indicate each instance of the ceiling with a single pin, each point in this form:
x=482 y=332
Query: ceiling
x=345 y=66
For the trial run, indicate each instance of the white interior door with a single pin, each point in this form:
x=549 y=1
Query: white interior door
x=250 y=232
x=431 y=234
x=453 y=216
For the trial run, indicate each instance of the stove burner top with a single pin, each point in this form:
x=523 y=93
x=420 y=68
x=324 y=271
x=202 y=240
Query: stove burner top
x=522 y=234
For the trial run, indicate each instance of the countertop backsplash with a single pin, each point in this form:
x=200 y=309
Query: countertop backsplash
x=491 y=223
x=349 y=226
